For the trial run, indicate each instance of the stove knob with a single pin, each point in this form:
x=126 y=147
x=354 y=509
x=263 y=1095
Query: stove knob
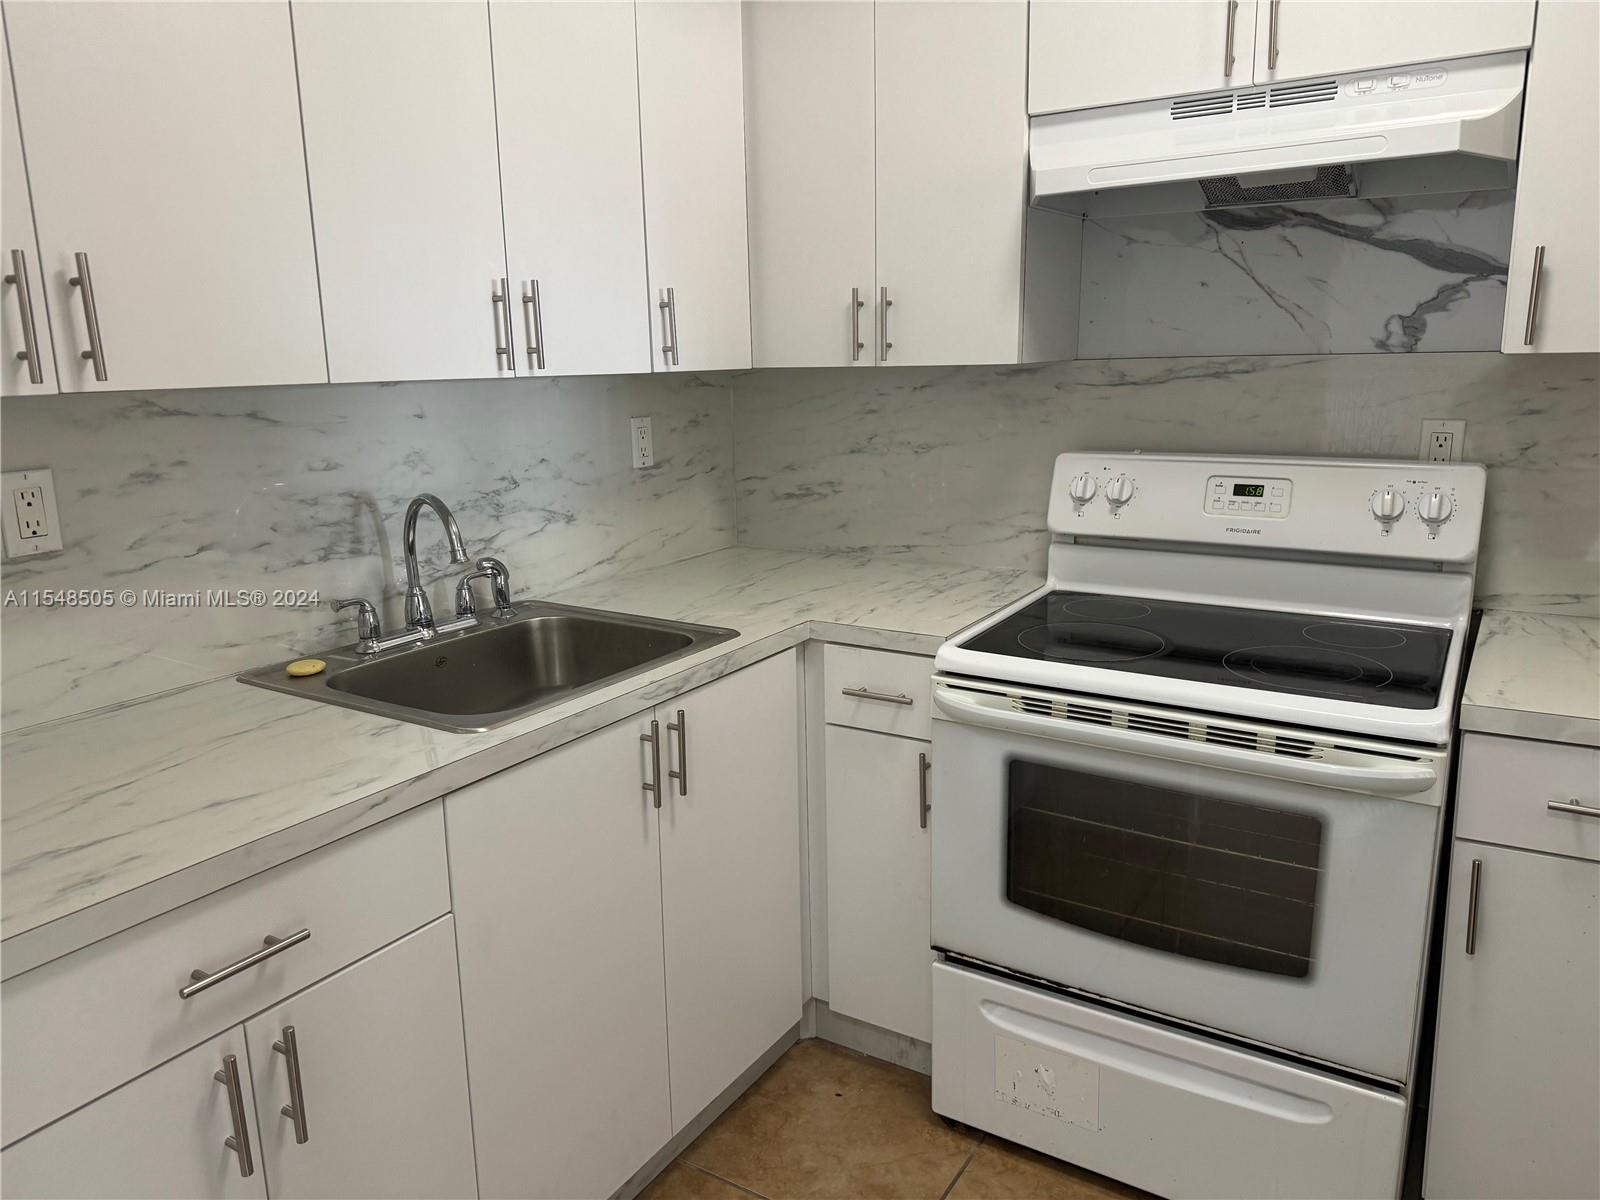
x=1119 y=491
x=1388 y=506
x=1082 y=490
x=1435 y=509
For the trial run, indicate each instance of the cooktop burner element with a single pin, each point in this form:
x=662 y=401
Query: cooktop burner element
x=1365 y=662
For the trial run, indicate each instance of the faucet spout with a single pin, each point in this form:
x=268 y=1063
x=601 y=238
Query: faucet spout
x=419 y=613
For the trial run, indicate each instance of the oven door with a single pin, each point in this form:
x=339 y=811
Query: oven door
x=1273 y=884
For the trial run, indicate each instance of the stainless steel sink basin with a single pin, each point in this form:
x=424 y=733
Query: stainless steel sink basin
x=502 y=669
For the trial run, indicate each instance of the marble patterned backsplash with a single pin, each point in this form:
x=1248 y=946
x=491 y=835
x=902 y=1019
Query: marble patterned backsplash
x=305 y=488
x=1330 y=277
x=955 y=463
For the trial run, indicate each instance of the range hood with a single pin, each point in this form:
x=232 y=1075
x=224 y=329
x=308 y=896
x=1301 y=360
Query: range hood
x=1442 y=127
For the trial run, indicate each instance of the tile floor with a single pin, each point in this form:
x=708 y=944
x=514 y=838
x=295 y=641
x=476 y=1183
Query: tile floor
x=830 y=1124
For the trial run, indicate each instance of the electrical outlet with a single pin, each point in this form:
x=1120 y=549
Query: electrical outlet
x=1442 y=440
x=644 y=450
x=28 y=513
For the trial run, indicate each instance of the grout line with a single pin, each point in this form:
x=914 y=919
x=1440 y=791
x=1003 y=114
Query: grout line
x=982 y=1137
x=724 y=1179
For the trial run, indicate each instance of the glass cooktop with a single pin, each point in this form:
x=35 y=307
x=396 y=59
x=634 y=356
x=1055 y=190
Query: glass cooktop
x=1367 y=662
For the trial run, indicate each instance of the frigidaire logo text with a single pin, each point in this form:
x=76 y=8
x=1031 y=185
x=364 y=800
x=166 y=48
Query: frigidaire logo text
x=1237 y=529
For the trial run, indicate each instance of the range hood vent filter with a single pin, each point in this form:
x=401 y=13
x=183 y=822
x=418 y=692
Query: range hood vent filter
x=1228 y=191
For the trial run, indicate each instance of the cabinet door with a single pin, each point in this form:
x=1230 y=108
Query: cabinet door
x=1515 y=1106
x=879 y=882
x=25 y=320
x=398 y=100
x=1296 y=38
x=383 y=1078
x=809 y=146
x=567 y=93
x=557 y=875
x=952 y=170
x=691 y=111
x=730 y=877
x=1558 y=192
x=163 y=142
x=1086 y=53
x=161 y=1135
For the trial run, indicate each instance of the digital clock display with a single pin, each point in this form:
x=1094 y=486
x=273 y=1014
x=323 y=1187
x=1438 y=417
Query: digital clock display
x=1249 y=489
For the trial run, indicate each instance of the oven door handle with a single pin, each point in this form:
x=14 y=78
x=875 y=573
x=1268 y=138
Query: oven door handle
x=1403 y=780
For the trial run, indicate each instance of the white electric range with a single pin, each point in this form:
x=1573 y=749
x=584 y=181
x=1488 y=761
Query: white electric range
x=1190 y=799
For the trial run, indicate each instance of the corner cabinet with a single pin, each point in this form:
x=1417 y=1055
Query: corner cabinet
x=169 y=192
x=1552 y=294
x=676 y=834
x=1516 y=1107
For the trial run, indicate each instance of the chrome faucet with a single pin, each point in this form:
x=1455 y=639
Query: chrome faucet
x=419 y=613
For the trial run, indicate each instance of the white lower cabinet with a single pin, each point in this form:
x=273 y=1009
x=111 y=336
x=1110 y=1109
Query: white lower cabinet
x=557 y=874
x=879 y=880
x=381 y=1106
x=160 y=1135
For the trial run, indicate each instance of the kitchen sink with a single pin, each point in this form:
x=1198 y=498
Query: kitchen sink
x=501 y=669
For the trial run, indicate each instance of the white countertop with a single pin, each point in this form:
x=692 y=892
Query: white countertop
x=117 y=815
x=1535 y=675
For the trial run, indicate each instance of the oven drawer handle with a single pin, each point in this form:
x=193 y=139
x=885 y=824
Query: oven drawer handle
x=1400 y=781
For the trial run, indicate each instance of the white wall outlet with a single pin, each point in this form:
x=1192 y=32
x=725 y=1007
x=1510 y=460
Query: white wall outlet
x=28 y=513
x=1442 y=440
x=644 y=449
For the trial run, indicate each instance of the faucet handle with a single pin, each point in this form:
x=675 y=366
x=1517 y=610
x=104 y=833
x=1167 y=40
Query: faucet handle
x=501 y=579
x=367 y=626
x=466 y=605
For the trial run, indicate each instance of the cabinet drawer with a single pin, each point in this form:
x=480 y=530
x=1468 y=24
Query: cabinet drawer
x=1508 y=784
x=79 y=1026
x=898 y=686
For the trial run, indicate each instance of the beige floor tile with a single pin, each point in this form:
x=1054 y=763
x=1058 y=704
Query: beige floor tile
x=679 y=1182
x=1001 y=1170
x=827 y=1124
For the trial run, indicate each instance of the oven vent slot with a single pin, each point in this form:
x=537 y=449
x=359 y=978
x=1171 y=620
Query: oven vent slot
x=1175 y=727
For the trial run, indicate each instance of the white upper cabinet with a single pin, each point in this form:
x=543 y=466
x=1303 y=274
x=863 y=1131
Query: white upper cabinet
x=1087 y=53
x=567 y=94
x=24 y=319
x=398 y=101
x=1296 y=38
x=952 y=138
x=1552 y=298
x=164 y=155
x=809 y=146
x=691 y=109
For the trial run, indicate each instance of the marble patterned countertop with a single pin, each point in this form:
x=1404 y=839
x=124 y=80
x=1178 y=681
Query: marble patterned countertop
x=1537 y=676
x=117 y=815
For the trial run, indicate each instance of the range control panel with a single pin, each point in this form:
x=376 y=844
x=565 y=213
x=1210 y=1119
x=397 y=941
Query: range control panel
x=1417 y=510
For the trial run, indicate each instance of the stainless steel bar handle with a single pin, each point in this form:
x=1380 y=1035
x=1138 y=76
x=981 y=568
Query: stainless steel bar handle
x=1573 y=807
x=84 y=282
x=653 y=739
x=681 y=728
x=669 y=352
x=239 y=1140
x=857 y=693
x=884 y=304
x=923 y=803
x=270 y=948
x=1227 y=49
x=533 y=323
x=30 y=336
x=1472 y=906
x=1272 y=35
x=672 y=319
x=1533 y=296
x=502 y=323
x=856 y=305
x=295 y=1110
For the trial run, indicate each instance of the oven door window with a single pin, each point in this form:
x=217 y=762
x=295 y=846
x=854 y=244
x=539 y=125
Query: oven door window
x=1180 y=871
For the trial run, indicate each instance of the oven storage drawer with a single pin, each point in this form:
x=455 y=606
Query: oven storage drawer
x=79 y=1026
x=1508 y=785
x=878 y=690
x=1150 y=1105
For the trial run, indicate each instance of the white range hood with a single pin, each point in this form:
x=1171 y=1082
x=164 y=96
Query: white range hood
x=1442 y=127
